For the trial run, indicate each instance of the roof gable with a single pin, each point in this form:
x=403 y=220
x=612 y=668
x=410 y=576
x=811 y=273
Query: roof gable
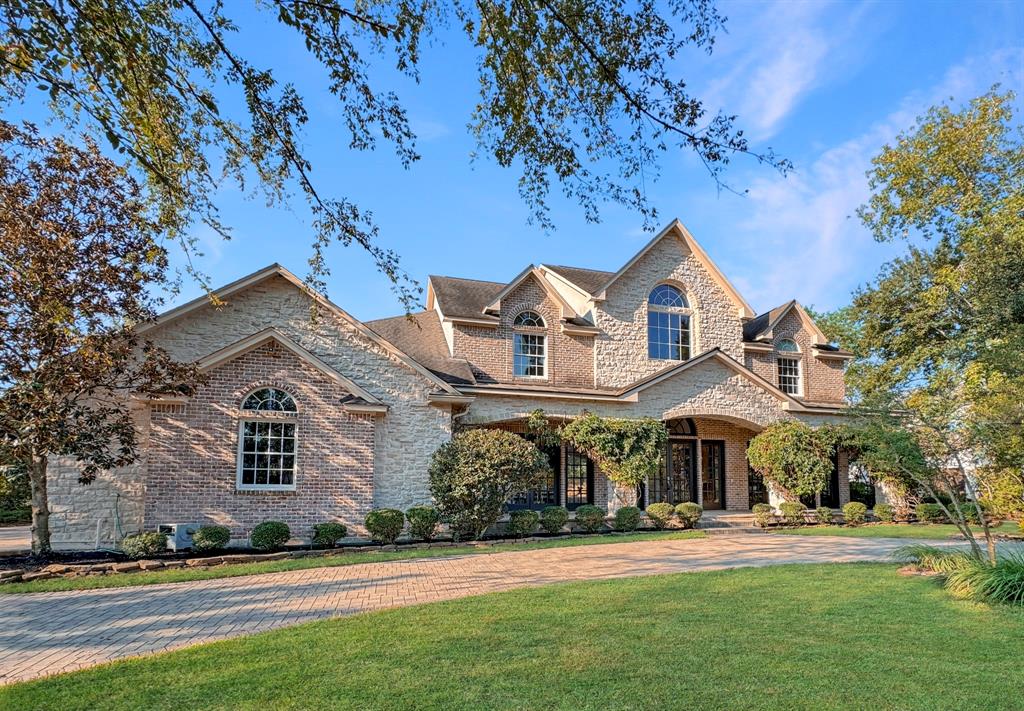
x=763 y=325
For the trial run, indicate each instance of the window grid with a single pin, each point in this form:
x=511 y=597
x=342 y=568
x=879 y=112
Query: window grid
x=789 y=375
x=528 y=319
x=267 y=454
x=528 y=358
x=667 y=297
x=578 y=479
x=269 y=400
x=668 y=336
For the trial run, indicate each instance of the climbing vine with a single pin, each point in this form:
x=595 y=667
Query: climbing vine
x=795 y=458
x=628 y=451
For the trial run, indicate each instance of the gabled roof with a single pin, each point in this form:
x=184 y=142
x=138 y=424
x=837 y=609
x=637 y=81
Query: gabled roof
x=762 y=326
x=420 y=336
x=531 y=272
x=461 y=298
x=276 y=270
x=588 y=280
x=678 y=230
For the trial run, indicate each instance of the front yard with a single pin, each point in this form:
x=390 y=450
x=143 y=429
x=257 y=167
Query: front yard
x=793 y=637
x=894 y=530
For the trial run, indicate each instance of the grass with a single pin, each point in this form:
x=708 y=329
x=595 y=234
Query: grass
x=967 y=577
x=787 y=637
x=893 y=530
x=180 y=575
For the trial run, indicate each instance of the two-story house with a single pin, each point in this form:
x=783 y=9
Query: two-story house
x=312 y=419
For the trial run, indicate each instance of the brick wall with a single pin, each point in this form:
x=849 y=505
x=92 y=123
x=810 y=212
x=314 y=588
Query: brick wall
x=192 y=459
x=822 y=378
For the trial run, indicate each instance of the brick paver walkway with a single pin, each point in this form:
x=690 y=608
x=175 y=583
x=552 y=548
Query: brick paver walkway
x=45 y=633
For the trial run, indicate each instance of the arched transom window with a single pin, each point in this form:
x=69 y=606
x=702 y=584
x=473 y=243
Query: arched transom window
x=529 y=350
x=266 y=441
x=668 y=324
x=788 y=366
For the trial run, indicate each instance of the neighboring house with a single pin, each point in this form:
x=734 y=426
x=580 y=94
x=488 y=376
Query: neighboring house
x=307 y=419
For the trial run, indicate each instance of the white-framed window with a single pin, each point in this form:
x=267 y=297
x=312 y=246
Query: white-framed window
x=266 y=441
x=787 y=362
x=668 y=324
x=529 y=349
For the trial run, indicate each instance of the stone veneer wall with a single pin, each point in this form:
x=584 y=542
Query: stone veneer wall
x=620 y=352
x=570 y=359
x=192 y=461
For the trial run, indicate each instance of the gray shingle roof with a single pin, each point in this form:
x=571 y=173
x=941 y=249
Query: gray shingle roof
x=419 y=336
x=589 y=279
x=464 y=298
x=756 y=326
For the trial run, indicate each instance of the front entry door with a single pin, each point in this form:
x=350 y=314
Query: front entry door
x=712 y=474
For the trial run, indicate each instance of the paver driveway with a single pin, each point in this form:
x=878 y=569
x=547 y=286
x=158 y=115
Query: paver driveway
x=44 y=633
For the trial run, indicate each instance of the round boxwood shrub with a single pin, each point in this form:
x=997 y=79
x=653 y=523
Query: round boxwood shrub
x=764 y=515
x=855 y=513
x=385 y=525
x=328 y=534
x=553 y=519
x=627 y=518
x=792 y=512
x=142 y=545
x=660 y=514
x=270 y=535
x=423 y=522
x=884 y=513
x=590 y=518
x=929 y=513
x=824 y=514
x=689 y=513
x=522 y=522
x=211 y=538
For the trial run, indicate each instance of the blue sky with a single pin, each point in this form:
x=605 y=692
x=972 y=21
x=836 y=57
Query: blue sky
x=825 y=84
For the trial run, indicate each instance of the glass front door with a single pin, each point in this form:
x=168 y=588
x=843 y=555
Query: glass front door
x=675 y=481
x=712 y=474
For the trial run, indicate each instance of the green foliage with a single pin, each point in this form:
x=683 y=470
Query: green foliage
x=660 y=514
x=143 y=545
x=14 y=487
x=855 y=513
x=689 y=513
x=270 y=535
x=888 y=450
x=999 y=583
x=793 y=457
x=553 y=519
x=385 y=525
x=590 y=518
x=824 y=515
x=423 y=522
x=210 y=538
x=929 y=513
x=764 y=515
x=476 y=472
x=540 y=429
x=627 y=450
x=937 y=560
x=1002 y=491
x=522 y=522
x=792 y=512
x=627 y=518
x=328 y=534
x=884 y=513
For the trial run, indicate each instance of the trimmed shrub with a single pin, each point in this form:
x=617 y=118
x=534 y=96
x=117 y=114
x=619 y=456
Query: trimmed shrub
x=855 y=513
x=328 y=534
x=627 y=518
x=824 y=514
x=689 y=513
x=553 y=519
x=590 y=518
x=211 y=538
x=423 y=522
x=792 y=512
x=764 y=515
x=522 y=522
x=142 y=545
x=929 y=513
x=269 y=535
x=885 y=513
x=660 y=514
x=385 y=525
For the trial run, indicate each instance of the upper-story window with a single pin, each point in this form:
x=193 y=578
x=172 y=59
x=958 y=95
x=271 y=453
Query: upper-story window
x=668 y=324
x=788 y=365
x=529 y=350
x=266 y=441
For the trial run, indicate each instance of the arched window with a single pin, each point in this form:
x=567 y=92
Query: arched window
x=529 y=350
x=266 y=441
x=788 y=366
x=668 y=324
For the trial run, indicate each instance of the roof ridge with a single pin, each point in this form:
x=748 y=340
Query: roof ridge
x=480 y=281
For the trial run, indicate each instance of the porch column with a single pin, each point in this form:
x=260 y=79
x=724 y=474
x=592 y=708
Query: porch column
x=697 y=475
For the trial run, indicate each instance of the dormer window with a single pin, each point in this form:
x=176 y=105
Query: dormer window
x=788 y=364
x=529 y=346
x=668 y=324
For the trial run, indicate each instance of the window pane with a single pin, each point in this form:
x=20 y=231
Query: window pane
x=268 y=453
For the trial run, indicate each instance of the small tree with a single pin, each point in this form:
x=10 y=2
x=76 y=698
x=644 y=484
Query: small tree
x=80 y=258
x=794 y=458
x=474 y=474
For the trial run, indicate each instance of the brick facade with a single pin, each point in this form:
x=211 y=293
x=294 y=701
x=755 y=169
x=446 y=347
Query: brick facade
x=822 y=378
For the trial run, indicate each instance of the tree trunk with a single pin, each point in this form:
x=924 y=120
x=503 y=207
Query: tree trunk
x=40 y=506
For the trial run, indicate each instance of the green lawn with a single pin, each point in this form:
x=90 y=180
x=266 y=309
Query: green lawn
x=276 y=566
x=788 y=637
x=891 y=530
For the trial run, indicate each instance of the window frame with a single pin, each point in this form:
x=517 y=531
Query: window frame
x=270 y=417
x=531 y=331
x=784 y=357
x=677 y=318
